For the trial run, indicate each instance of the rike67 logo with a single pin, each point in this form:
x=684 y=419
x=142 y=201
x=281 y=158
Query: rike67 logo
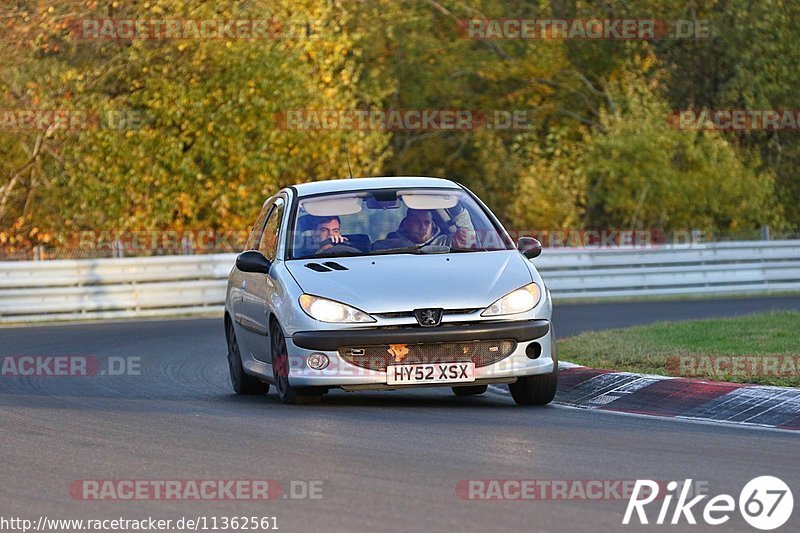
x=765 y=503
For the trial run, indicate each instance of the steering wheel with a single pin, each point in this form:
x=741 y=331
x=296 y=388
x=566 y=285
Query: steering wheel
x=337 y=248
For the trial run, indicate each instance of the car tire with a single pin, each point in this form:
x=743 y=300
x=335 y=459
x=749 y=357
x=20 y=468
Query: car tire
x=280 y=372
x=541 y=389
x=242 y=382
x=472 y=390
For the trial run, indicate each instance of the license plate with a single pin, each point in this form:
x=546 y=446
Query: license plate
x=430 y=373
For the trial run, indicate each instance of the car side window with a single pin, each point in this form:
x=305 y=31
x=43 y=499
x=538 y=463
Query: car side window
x=269 y=240
x=255 y=234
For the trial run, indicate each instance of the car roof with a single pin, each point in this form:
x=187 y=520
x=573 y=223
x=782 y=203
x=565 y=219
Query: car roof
x=355 y=184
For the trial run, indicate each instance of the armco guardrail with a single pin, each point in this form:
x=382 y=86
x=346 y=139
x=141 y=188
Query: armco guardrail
x=188 y=285
x=727 y=267
x=113 y=288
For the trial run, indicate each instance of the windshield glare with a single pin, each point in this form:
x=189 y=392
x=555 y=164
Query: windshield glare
x=390 y=221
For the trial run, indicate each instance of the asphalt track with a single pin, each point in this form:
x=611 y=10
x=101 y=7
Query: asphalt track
x=387 y=461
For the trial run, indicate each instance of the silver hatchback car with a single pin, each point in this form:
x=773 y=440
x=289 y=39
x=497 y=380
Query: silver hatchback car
x=387 y=283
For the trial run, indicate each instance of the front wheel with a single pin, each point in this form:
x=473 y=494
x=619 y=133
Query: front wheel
x=541 y=389
x=535 y=390
x=242 y=382
x=280 y=372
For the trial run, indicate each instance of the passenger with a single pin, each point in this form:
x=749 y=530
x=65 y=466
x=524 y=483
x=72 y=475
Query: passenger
x=419 y=228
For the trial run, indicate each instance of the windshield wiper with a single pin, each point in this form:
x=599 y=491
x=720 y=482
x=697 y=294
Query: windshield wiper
x=422 y=248
x=402 y=250
x=323 y=256
x=416 y=249
x=466 y=250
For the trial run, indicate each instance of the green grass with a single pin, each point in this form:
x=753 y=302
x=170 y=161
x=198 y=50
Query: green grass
x=766 y=347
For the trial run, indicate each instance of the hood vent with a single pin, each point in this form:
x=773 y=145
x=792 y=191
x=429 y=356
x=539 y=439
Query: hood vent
x=335 y=266
x=316 y=267
x=325 y=267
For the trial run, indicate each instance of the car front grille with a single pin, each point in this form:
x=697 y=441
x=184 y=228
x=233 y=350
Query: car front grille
x=446 y=312
x=378 y=357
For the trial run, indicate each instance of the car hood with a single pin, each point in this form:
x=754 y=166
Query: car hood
x=403 y=282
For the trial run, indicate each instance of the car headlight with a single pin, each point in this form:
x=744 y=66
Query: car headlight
x=518 y=301
x=326 y=310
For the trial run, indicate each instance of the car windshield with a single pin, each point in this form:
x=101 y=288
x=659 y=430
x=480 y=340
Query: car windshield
x=389 y=221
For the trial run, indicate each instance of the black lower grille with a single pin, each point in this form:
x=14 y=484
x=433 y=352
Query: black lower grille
x=482 y=353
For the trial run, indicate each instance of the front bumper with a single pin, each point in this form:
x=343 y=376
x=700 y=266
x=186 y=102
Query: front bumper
x=520 y=331
x=341 y=373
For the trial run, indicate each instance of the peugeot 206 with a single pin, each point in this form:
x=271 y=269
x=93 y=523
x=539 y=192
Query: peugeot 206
x=387 y=284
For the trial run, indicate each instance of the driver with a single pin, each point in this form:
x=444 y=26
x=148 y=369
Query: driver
x=328 y=229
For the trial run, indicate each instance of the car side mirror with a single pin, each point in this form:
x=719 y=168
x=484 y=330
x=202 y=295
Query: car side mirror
x=253 y=261
x=529 y=247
